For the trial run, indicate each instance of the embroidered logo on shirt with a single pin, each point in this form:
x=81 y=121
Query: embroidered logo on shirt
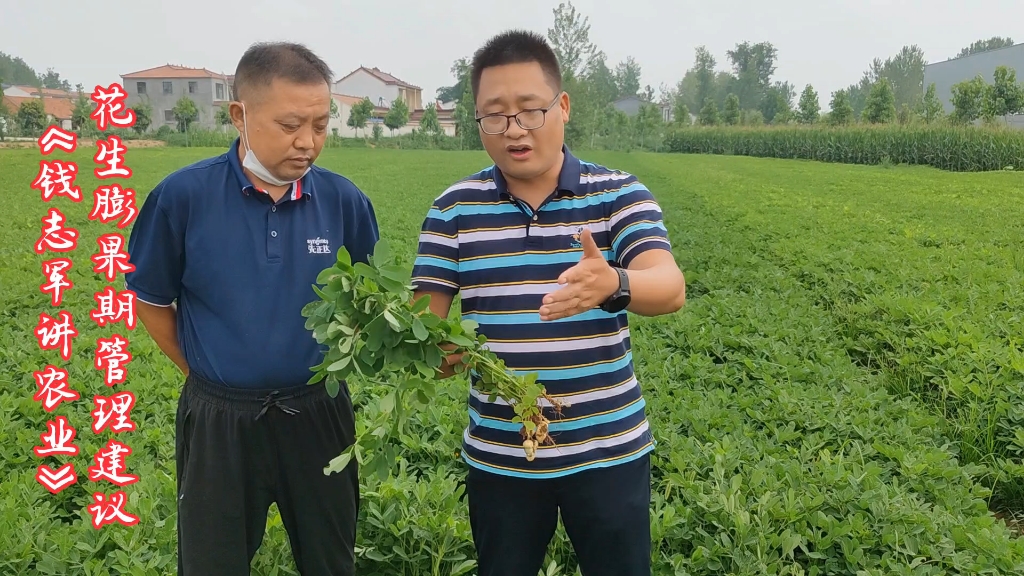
x=577 y=238
x=318 y=245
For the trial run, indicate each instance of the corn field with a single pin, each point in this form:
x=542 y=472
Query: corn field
x=957 y=149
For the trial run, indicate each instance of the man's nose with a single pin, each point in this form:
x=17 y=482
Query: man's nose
x=304 y=138
x=515 y=131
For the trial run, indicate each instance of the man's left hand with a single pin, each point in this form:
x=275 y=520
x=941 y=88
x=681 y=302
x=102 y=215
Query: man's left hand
x=585 y=286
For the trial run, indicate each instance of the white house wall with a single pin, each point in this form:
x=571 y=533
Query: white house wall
x=337 y=125
x=205 y=97
x=364 y=84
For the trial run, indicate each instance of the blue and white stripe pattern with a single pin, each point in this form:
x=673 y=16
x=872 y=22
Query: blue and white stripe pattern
x=503 y=257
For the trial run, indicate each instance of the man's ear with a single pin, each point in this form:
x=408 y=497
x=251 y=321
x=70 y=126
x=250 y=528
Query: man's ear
x=237 y=115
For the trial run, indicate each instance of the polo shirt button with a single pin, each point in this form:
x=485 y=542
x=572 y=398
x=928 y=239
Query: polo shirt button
x=535 y=217
x=273 y=233
x=273 y=209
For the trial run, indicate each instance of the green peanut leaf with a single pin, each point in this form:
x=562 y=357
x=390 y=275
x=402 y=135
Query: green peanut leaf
x=387 y=403
x=422 y=397
x=325 y=275
x=320 y=292
x=419 y=330
x=390 y=284
x=364 y=269
x=381 y=252
x=338 y=463
x=433 y=356
x=422 y=303
x=346 y=345
x=339 y=364
x=344 y=257
x=461 y=341
x=395 y=273
x=310 y=308
x=332 y=386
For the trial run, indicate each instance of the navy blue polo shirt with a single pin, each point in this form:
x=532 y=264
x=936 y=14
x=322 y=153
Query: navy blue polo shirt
x=241 y=266
x=503 y=257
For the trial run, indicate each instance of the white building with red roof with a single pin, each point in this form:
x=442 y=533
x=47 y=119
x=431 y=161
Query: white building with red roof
x=57 y=104
x=163 y=86
x=380 y=87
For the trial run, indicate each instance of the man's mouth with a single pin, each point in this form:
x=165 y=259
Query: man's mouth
x=519 y=151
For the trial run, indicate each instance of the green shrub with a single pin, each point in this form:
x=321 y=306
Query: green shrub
x=200 y=138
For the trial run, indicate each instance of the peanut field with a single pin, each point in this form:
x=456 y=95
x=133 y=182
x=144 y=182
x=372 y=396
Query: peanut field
x=842 y=394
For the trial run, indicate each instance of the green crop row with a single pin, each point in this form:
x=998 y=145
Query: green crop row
x=924 y=274
x=958 y=149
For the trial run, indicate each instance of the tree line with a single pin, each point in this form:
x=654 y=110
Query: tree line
x=745 y=91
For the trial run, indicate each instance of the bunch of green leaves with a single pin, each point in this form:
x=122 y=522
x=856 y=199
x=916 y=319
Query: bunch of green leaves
x=376 y=332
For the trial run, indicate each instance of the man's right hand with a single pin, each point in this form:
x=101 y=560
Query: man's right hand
x=440 y=304
x=449 y=362
x=161 y=323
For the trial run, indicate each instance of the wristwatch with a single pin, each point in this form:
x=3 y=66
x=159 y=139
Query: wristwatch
x=619 y=300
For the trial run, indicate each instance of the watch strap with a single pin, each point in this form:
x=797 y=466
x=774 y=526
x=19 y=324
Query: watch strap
x=620 y=292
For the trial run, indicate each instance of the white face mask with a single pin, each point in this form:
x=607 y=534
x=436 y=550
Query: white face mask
x=255 y=166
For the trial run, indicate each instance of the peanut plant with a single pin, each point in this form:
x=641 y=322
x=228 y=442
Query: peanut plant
x=376 y=331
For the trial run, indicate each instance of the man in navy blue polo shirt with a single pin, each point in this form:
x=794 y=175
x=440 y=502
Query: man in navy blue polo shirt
x=549 y=252
x=225 y=253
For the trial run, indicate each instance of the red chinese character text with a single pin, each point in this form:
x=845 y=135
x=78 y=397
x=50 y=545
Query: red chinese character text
x=111 y=356
x=55 y=271
x=57 y=439
x=107 y=511
x=53 y=335
x=119 y=405
x=56 y=137
x=111 y=101
x=57 y=178
x=111 y=152
x=52 y=384
x=110 y=464
x=55 y=236
x=113 y=307
x=111 y=259
x=113 y=202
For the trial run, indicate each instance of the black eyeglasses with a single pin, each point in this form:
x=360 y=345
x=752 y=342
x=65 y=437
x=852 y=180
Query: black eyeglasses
x=531 y=119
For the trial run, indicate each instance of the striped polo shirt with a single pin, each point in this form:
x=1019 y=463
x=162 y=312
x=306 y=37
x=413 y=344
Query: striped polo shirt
x=502 y=258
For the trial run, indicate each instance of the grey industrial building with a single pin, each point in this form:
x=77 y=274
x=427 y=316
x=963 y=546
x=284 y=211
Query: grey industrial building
x=947 y=73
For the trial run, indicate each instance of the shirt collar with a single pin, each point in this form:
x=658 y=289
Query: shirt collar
x=568 y=177
x=304 y=187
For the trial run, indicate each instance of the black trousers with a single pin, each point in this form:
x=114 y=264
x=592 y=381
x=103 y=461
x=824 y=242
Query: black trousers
x=238 y=451
x=606 y=513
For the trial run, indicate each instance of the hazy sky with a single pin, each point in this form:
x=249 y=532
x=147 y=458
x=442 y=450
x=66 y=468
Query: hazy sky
x=827 y=43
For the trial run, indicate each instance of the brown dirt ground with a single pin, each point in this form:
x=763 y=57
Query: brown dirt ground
x=1014 y=521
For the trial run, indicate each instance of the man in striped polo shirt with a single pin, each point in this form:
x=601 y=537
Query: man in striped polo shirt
x=548 y=252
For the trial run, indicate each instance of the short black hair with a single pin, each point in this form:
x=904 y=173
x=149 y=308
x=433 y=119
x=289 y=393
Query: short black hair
x=265 y=61
x=516 y=47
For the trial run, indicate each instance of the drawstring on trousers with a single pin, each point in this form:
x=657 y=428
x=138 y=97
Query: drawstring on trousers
x=272 y=400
